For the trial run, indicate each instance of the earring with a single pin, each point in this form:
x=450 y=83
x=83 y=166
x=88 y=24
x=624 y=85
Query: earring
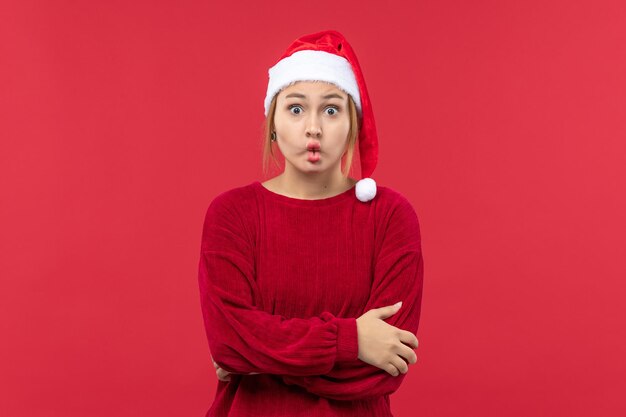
x=273 y=136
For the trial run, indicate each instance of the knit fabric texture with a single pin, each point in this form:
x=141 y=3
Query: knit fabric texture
x=282 y=281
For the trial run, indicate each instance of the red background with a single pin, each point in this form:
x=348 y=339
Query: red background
x=502 y=121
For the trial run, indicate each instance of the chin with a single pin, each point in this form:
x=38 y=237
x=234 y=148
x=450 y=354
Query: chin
x=312 y=169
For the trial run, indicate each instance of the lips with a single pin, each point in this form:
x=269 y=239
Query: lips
x=313 y=145
x=313 y=156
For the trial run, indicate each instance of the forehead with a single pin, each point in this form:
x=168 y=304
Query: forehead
x=313 y=88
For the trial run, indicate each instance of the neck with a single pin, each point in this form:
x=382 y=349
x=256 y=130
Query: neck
x=316 y=185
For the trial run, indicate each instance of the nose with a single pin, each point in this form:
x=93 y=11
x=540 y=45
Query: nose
x=313 y=129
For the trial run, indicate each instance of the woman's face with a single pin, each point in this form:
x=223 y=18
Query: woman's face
x=315 y=115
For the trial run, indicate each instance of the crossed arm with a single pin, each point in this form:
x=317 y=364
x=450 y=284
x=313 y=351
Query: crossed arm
x=245 y=340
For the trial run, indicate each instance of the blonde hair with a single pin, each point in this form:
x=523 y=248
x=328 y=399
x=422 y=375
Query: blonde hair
x=268 y=128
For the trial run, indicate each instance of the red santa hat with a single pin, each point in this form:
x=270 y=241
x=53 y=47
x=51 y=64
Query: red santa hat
x=327 y=56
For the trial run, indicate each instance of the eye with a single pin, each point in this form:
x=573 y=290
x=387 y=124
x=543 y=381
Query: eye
x=334 y=109
x=295 y=106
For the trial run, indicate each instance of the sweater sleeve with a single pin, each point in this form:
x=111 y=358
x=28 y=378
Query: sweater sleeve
x=244 y=339
x=398 y=276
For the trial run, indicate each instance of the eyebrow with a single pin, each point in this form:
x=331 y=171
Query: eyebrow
x=298 y=95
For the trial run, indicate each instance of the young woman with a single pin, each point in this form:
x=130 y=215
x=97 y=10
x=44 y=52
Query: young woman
x=299 y=275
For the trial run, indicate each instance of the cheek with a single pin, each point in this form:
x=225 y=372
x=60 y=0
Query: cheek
x=342 y=129
x=345 y=123
x=289 y=132
x=284 y=125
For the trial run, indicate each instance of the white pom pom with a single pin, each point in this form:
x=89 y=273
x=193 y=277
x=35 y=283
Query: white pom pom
x=365 y=189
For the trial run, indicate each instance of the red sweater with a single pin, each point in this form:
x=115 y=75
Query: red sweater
x=282 y=282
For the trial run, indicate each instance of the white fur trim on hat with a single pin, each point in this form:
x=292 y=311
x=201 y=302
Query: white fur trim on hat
x=365 y=189
x=312 y=65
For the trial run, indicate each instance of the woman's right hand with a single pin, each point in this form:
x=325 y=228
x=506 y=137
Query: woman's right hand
x=383 y=345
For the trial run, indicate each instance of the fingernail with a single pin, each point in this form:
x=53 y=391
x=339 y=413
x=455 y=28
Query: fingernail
x=398 y=304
